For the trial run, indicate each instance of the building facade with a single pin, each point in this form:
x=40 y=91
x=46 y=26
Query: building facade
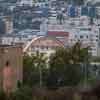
x=43 y=44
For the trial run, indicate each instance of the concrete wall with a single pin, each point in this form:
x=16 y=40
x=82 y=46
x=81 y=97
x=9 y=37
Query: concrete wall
x=13 y=54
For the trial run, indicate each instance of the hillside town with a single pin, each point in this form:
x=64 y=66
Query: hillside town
x=23 y=20
x=39 y=38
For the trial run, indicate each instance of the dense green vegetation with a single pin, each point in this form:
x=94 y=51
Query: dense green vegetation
x=63 y=68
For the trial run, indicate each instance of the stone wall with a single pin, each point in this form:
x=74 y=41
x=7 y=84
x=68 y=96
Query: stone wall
x=13 y=54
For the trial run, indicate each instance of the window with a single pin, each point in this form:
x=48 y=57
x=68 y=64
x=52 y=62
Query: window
x=42 y=47
x=97 y=36
x=96 y=39
x=81 y=36
x=47 y=47
x=87 y=36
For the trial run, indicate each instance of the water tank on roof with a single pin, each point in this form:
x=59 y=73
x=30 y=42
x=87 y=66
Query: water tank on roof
x=84 y=11
x=72 y=11
x=45 y=12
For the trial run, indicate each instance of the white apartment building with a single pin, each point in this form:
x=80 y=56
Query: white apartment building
x=25 y=2
x=9 y=40
x=87 y=38
x=39 y=3
x=87 y=34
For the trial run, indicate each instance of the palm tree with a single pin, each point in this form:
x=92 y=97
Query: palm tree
x=65 y=63
x=79 y=54
x=40 y=61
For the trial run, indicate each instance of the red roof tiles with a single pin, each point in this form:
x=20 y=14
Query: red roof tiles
x=57 y=33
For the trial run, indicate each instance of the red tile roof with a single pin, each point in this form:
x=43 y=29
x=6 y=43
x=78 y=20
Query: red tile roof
x=57 y=33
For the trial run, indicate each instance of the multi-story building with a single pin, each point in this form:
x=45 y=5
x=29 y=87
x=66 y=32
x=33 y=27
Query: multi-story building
x=11 y=39
x=87 y=35
x=39 y=3
x=25 y=2
x=8 y=24
x=87 y=38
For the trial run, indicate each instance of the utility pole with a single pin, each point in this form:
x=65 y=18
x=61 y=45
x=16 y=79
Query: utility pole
x=40 y=71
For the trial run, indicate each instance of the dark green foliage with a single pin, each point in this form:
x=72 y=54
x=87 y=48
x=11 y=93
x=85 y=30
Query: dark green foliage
x=23 y=93
x=3 y=96
x=34 y=69
x=95 y=59
x=68 y=76
x=65 y=69
x=27 y=69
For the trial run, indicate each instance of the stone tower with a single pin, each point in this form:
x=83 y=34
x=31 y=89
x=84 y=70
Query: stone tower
x=13 y=54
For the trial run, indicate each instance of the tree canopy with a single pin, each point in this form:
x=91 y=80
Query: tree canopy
x=34 y=68
x=65 y=67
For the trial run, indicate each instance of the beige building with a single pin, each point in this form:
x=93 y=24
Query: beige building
x=46 y=45
x=13 y=54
